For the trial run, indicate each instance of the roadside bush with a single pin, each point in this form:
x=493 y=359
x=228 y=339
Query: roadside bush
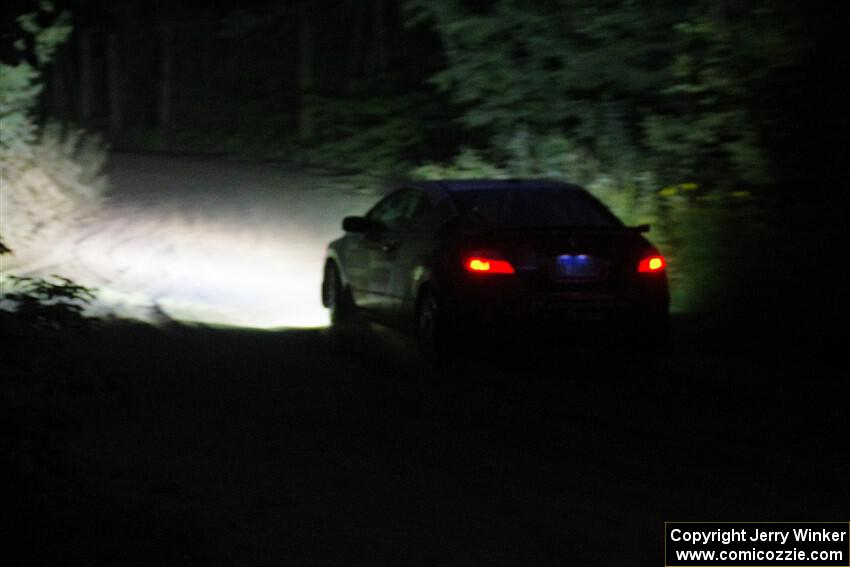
x=469 y=164
x=50 y=180
x=55 y=303
x=370 y=135
x=50 y=187
x=51 y=175
x=42 y=325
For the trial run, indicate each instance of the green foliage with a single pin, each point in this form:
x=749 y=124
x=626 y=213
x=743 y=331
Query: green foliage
x=51 y=175
x=374 y=134
x=42 y=323
x=56 y=303
x=19 y=89
x=72 y=156
x=469 y=164
x=632 y=85
x=20 y=83
x=527 y=72
x=701 y=123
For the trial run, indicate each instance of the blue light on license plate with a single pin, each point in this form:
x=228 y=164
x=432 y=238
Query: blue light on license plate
x=579 y=266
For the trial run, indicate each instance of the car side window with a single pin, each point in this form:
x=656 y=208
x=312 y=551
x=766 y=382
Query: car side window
x=422 y=216
x=396 y=210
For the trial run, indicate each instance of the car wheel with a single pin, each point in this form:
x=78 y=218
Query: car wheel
x=662 y=336
x=336 y=298
x=650 y=337
x=430 y=332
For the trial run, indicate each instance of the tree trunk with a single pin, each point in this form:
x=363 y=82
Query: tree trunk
x=115 y=85
x=69 y=81
x=355 y=46
x=305 y=73
x=86 y=75
x=166 y=74
x=379 y=39
x=58 y=98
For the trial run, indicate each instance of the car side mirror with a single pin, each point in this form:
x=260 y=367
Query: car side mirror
x=359 y=224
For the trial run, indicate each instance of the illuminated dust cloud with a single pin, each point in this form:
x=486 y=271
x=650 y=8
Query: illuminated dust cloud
x=210 y=242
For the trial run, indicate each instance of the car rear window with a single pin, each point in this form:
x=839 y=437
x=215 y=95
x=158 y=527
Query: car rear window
x=532 y=208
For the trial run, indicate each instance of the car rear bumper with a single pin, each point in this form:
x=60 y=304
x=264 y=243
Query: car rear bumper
x=515 y=311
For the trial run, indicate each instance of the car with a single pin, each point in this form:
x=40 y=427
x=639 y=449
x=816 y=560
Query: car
x=457 y=259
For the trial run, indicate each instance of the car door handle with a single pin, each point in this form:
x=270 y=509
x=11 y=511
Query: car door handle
x=388 y=247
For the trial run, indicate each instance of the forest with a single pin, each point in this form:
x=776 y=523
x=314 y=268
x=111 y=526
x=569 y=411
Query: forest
x=715 y=90
x=703 y=118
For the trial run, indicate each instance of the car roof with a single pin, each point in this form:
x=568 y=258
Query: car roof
x=457 y=185
x=439 y=191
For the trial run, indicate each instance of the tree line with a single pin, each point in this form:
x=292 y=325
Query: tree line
x=699 y=91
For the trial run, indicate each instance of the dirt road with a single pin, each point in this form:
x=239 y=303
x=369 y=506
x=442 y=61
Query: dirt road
x=206 y=241
x=223 y=447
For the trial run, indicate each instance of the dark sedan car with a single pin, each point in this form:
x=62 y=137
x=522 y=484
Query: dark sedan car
x=442 y=258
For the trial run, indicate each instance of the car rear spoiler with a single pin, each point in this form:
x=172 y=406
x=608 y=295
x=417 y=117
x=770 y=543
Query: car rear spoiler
x=457 y=224
x=641 y=228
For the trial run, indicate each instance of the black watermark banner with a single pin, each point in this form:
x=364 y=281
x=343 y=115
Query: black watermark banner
x=757 y=544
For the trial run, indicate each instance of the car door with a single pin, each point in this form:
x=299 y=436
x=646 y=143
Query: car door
x=411 y=258
x=380 y=251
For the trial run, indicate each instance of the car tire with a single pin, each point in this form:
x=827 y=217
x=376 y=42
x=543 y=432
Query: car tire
x=651 y=337
x=336 y=297
x=430 y=325
x=662 y=336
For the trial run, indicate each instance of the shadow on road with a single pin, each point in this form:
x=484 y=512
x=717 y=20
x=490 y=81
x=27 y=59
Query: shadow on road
x=200 y=446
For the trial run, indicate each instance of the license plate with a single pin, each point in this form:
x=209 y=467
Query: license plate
x=580 y=267
x=572 y=311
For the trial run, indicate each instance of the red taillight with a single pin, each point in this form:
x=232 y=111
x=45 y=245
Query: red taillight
x=487 y=262
x=652 y=264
